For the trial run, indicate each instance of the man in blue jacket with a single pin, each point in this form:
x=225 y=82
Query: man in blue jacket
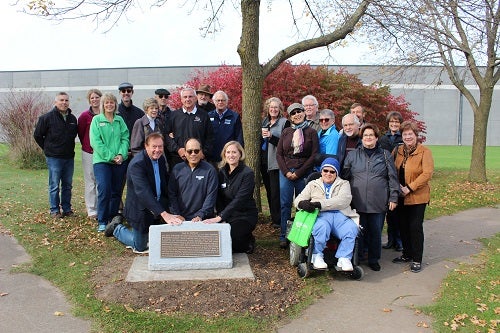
x=55 y=133
x=226 y=124
x=147 y=196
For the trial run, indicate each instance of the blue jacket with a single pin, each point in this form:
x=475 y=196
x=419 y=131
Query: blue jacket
x=55 y=135
x=141 y=207
x=193 y=192
x=227 y=128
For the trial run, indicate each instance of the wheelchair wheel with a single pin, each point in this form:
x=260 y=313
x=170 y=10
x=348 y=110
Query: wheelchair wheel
x=357 y=273
x=295 y=251
x=303 y=270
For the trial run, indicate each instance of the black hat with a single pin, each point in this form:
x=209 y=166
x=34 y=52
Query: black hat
x=125 y=85
x=162 y=91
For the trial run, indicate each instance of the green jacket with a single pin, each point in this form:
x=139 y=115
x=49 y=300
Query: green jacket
x=108 y=139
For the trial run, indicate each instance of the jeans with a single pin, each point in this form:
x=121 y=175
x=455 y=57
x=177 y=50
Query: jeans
x=131 y=237
x=344 y=228
x=372 y=224
x=60 y=172
x=109 y=178
x=287 y=190
x=90 y=184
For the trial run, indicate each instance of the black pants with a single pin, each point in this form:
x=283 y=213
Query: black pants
x=241 y=232
x=271 y=181
x=411 y=227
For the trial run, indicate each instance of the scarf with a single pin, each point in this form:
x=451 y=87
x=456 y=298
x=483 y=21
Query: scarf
x=407 y=151
x=298 y=137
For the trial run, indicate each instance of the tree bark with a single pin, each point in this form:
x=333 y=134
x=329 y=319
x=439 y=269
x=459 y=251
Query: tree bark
x=253 y=82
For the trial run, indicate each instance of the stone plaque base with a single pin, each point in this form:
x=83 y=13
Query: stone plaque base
x=191 y=245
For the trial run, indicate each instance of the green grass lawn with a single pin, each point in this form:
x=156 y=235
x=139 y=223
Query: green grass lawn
x=67 y=254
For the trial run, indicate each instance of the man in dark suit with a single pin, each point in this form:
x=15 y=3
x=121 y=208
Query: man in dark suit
x=146 y=202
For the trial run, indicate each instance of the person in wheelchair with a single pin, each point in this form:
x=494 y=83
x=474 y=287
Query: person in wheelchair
x=332 y=196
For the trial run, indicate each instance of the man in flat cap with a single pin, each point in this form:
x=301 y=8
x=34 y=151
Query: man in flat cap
x=161 y=96
x=204 y=96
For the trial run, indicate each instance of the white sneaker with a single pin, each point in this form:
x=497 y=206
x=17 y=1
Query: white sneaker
x=345 y=264
x=318 y=262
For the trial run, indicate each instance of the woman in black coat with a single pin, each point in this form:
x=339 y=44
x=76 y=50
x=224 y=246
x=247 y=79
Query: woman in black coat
x=235 y=202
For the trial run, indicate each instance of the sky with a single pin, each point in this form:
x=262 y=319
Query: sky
x=149 y=37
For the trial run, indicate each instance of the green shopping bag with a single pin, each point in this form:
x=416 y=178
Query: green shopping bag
x=302 y=227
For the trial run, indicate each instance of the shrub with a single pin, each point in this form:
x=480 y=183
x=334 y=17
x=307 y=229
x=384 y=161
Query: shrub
x=18 y=117
x=335 y=90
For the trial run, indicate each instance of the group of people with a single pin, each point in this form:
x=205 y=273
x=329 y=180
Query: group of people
x=188 y=165
x=387 y=176
x=182 y=165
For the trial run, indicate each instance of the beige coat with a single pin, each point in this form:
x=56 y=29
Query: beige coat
x=340 y=198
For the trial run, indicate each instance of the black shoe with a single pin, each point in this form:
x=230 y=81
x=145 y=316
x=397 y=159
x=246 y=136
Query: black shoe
x=68 y=213
x=416 y=267
x=388 y=245
x=251 y=247
x=398 y=248
x=400 y=260
x=283 y=244
x=374 y=266
x=110 y=227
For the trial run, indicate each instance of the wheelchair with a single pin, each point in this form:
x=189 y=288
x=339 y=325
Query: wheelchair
x=302 y=256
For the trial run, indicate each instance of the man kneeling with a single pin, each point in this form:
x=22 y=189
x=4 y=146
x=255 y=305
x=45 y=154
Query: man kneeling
x=332 y=195
x=146 y=201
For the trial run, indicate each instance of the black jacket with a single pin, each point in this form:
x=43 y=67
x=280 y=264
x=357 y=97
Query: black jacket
x=185 y=126
x=55 y=135
x=235 y=195
x=130 y=114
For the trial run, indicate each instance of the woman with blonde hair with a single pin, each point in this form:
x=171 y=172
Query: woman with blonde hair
x=110 y=141
x=235 y=203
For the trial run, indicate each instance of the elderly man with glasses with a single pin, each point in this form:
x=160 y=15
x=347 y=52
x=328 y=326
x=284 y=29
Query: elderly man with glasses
x=310 y=104
x=193 y=185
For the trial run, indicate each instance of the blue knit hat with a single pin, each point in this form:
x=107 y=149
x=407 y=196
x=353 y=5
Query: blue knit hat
x=332 y=163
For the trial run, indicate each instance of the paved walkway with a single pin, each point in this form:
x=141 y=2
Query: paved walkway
x=381 y=302
x=30 y=304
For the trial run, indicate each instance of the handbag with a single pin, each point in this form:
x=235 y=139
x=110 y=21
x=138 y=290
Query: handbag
x=302 y=227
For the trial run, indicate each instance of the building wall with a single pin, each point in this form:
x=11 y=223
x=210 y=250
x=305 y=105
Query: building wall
x=448 y=117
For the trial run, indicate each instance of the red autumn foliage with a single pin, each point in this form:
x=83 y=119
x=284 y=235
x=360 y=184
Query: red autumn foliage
x=335 y=90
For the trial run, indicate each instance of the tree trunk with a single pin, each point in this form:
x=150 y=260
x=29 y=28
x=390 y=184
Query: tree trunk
x=253 y=82
x=477 y=171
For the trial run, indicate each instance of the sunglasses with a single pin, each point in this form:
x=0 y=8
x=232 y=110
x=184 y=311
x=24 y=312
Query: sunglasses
x=324 y=120
x=123 y=91
x=294 y=112
x=193 y=151
x=329 y=171
x=162 y=96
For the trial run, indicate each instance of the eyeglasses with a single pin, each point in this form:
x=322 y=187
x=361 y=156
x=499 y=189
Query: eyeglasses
x=309 y=105
x=123 y=91
x=162 y=96
x=368 y=135
x=219 y=100
x=193 y=151
x=324 y=120
x=329 y=171
x=294 y=112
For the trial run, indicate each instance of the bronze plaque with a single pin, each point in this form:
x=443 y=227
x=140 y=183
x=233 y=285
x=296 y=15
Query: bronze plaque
x=188 y=244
